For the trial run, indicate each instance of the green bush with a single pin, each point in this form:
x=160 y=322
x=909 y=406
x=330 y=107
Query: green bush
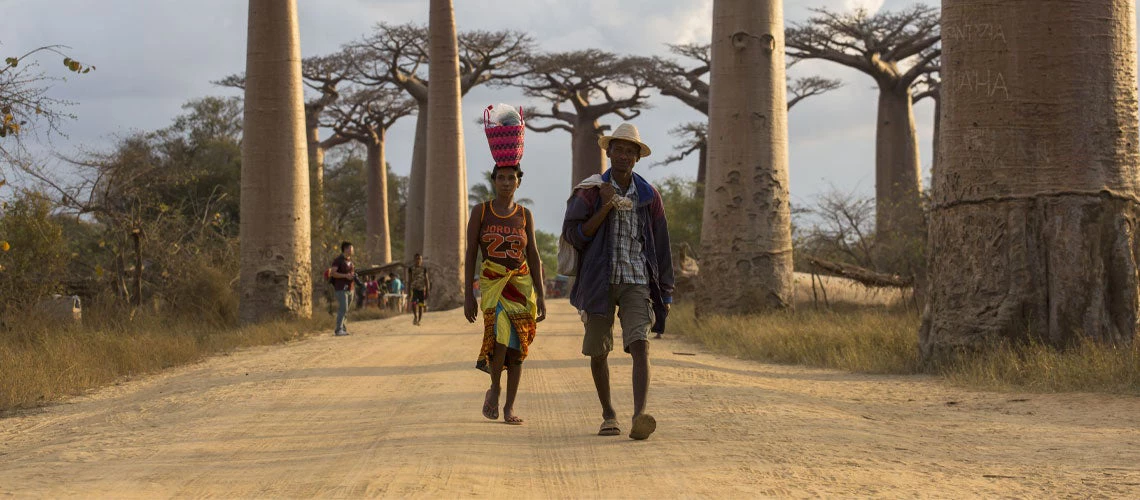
x=36 y=258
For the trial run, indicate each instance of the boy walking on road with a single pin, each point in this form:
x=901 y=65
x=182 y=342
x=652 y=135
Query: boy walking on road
x=420 y=285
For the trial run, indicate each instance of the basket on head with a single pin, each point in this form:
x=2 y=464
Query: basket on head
x=506 y=141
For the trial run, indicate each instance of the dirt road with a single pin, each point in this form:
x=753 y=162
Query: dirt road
x=394 y=411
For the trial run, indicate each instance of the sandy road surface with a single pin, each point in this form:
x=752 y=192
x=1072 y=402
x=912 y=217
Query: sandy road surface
x=393 y=411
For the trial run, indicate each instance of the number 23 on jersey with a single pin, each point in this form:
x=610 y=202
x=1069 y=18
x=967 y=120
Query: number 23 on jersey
x=513 y=243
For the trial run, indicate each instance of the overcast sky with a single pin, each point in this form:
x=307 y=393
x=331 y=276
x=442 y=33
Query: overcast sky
x=154 y=55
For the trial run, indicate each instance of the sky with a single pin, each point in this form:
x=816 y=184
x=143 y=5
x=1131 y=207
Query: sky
x=152 y=56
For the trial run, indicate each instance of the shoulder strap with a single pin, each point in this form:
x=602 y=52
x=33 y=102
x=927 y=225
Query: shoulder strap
x=483 y=211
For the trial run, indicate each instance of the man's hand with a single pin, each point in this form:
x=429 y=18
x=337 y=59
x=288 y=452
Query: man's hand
x=607 y=192
x=470 y=308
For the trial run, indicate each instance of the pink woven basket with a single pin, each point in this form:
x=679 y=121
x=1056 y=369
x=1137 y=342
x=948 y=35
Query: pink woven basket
x=506 y=142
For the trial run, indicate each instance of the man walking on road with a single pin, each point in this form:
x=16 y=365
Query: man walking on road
x=420 y=284
x=342 y=272
x=616 y=221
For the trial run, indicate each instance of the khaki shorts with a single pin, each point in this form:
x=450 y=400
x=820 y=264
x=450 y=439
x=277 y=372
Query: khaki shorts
x=634 y=309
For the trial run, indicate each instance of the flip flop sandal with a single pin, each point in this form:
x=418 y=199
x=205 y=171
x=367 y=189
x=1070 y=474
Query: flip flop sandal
x=643 y=426
x=512 y=420
x=610 y=428
x=490 y=410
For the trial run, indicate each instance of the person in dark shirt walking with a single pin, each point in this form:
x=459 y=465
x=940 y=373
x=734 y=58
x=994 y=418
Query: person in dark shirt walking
x=343 y=274
x=616 y=221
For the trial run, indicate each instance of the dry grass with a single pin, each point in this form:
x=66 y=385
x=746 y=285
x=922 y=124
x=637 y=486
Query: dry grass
x=884 y=340
x=42 y=365
x=1039 y=368
x=861 y=340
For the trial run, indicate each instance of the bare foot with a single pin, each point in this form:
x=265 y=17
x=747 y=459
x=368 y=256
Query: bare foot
x=491 y=404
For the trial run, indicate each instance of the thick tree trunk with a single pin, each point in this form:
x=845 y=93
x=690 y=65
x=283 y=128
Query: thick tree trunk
x=275 y=280
x=377 y=241
x=898 y=181
x=316 y=175
x=414 y=214
x=587 y=157
x=446 y=199
x=746 y=240
x=1033 y=224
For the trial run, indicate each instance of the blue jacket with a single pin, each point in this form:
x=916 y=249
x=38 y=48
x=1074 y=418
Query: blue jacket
x=591 y=290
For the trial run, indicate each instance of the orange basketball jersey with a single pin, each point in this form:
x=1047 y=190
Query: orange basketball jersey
x=502 y=237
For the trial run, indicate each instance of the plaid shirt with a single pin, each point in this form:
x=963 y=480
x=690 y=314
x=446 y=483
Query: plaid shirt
x=627 y=262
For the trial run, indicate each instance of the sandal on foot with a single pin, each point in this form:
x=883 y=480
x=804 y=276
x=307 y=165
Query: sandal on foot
x=490 y=409
x=643 y=426
x=610 y=428
x=512 y=420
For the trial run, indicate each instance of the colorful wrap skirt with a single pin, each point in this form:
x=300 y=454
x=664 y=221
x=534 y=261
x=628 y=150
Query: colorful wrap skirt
x=509 y=307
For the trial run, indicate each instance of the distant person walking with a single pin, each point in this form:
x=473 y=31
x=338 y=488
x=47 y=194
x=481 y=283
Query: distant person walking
x=511 y=278
x=343 y=274
x=616 y=221
x=420 y=284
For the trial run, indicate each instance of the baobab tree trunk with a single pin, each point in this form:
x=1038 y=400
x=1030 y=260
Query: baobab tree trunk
x=587 y=157
x=376 y=226
x=446 y=194
x=898 y=181
x=316 y=175
x=275 y=279
x=414 y=215
x=1033 y=227
x=746 y=238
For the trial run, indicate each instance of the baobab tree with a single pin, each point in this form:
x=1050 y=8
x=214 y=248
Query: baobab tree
x=324 y=75
x=746 y=237
x=896 y=49
x=690 y=86
x=445 y=199
x=275 y=279
x=364 y=116
x=929 y=86
x=594 y=83
x=694 y=135
x=399 y=54
x=1033 y=221
x=687 y=84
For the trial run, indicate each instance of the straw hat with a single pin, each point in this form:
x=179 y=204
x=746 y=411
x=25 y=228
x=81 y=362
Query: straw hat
x=625 y=132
